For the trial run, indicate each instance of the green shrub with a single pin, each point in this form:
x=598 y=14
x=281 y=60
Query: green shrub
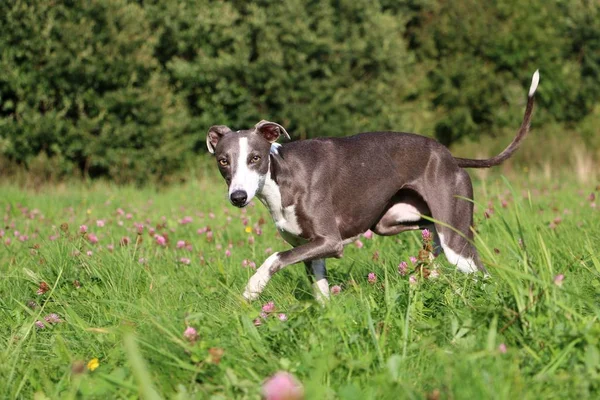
x=126 y=90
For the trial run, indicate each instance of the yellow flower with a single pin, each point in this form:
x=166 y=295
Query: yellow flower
x=93 y=364
x=248 y=229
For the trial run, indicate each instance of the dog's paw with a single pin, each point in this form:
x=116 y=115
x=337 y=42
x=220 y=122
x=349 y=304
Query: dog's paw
x=250 y=295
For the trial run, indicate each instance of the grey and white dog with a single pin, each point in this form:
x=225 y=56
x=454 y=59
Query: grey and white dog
x=323 y=193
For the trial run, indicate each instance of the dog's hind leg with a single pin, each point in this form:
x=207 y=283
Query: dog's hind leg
x=317 y=272
x=452 y=208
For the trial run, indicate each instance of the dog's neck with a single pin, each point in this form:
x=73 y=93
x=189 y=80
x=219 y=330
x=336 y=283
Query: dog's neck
x=269 y=193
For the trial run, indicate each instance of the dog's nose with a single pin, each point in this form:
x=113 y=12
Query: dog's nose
x=238 y=198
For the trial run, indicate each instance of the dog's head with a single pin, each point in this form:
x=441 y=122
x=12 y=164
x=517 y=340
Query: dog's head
x=243 y=157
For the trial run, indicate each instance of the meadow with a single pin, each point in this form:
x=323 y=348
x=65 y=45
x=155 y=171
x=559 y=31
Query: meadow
x=122 y=292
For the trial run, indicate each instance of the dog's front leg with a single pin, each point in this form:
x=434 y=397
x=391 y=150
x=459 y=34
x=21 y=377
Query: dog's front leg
x=317 y=249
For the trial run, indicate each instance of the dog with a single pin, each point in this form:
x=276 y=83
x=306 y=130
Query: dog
x=324 y=193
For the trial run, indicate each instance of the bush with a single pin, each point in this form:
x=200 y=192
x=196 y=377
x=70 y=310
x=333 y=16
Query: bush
x=81 y=83
x=126 y=90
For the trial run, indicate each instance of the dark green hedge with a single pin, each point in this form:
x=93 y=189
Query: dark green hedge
x=127 y=90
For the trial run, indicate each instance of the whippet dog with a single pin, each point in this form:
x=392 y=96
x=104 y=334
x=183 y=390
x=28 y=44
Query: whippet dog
x=324 y=193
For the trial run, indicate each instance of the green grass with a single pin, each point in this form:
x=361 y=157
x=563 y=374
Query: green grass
x=386 y=340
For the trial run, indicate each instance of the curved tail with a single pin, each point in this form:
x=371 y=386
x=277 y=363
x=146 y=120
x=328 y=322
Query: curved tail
x=514 y=145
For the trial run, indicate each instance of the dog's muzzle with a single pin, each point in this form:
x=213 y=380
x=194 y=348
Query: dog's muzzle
x=238 y=198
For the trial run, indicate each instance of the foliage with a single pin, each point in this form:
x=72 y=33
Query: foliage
x=525 y=333
x=127 y=89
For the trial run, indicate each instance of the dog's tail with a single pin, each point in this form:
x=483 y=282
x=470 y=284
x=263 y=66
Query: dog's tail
x=514 y=145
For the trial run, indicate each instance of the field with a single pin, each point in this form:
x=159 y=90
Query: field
x=100 y=283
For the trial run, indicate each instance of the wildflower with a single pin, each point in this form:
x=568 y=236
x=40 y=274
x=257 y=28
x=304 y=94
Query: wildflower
x=403 y=268
x=180 y=244
x=209 y=235
x=39 y=324
x=258 y=231
x=160 y=240
x=248 y=229
x=43 y=288
x=282 y=317
x=142 y=260
x=257 y=322
x=227 y=253
x=129 y=216
x=78 y=367
x=412 y=280
x=110 y=247
x=336 y=289
x=359 y=244
x=558 y=279
x=251 y=240
x=186 y=220
x=269 y=307
x=502 y=348
x=93 y=364
x=425 y=234
x=7 y=241
x=89 y=253
x=93 y=239
x=268 y=250
x=83 y=228
x=185 y=260
x=52 y=238
x=434 y=274
x=125 y=240
x=368 y=234
x=282 y=386
x=52 y=318
x=32 y=304
x=372 y=278
x=216 y=353
x=190 y=334
x=120 y=211
x=100 y=223
x=413 y=259
x=376 y=255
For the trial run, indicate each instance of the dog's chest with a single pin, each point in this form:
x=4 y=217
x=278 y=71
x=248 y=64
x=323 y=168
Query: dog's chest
x=285 y=218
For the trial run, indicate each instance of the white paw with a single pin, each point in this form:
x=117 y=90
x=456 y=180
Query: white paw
x=250 y=296
x=321 y=291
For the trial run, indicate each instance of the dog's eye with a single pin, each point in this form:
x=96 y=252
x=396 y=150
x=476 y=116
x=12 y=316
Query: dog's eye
x=223 y=162
x=255 y=159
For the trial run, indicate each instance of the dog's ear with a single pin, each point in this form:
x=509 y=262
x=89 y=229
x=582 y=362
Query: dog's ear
x=270 y=130
x=215 y=133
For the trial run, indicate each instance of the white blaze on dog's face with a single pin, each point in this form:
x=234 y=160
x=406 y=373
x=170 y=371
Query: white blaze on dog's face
x=243 y=158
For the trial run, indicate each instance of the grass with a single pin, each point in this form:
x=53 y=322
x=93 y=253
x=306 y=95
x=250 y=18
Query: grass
x=438 y=339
